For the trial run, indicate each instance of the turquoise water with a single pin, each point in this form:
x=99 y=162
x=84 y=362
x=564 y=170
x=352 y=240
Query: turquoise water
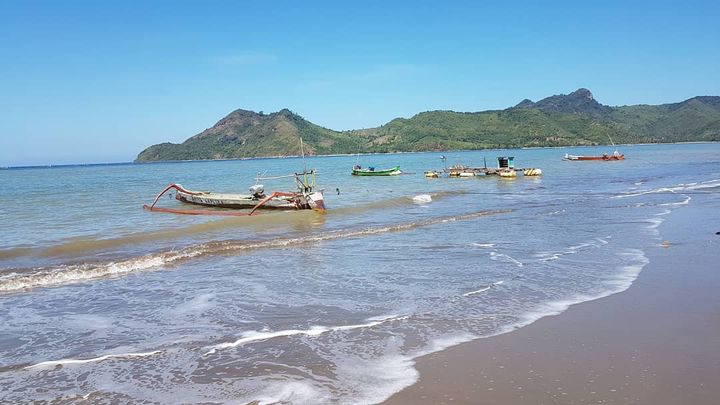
x=101 y=300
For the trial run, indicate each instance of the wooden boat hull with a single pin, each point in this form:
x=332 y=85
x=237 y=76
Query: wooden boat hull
x=603 y=157
x=236 y=201
x=384 y=172
x=304 y=199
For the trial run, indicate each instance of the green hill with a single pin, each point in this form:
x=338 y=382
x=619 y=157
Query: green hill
x=245 y=134
x=573 y=119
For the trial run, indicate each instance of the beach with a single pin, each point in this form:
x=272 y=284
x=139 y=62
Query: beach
x=654 y=343
x=549 y=289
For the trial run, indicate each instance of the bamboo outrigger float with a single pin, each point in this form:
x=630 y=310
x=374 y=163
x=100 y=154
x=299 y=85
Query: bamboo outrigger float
x=506 y=169
x=305 y=198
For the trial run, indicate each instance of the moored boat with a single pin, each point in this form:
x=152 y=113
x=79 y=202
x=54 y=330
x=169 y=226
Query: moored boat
x=306 y=197
x=371 y=171
x=614 y=156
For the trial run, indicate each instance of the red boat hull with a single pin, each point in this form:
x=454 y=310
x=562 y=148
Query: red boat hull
x=603 y=157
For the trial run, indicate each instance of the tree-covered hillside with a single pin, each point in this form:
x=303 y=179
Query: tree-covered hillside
x=573 y=119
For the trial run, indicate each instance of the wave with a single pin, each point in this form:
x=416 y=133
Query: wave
x=550 y=256
x=483 y=289
x=686 y=201
x=422 y=199
x=73 y=273
x=619 y=283
x=376 y=379
x=483 y=245
x=76 y=247
x=92 y=360
x=710 y=184
x=44 y=277
x=503 y=257
x=254 y=336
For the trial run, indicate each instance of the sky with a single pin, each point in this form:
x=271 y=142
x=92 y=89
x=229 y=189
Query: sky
x=99 y=81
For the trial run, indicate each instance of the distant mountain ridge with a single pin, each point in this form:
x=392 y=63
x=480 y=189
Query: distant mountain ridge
x=559 y=120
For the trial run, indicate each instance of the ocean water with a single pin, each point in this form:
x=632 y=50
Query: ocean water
x=101 y=301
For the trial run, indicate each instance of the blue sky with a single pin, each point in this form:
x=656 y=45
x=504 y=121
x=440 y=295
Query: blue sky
x=94 y=81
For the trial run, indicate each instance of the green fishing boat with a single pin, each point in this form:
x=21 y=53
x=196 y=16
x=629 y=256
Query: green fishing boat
x=371 y=171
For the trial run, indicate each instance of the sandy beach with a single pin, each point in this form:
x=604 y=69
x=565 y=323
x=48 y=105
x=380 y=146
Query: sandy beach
x=655 y=343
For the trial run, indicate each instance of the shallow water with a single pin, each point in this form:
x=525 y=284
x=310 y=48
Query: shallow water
x=102 y=301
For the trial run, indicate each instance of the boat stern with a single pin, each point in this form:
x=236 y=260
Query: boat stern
x=316 y=201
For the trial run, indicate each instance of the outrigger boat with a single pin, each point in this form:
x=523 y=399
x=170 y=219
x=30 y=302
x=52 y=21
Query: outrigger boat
x=615 y=156
x=305 y=198
x=371 y=171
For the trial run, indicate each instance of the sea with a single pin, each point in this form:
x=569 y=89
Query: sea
x=104 y=302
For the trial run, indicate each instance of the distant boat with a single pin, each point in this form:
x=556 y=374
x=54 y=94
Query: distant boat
x=614 y=156
x=371 y=171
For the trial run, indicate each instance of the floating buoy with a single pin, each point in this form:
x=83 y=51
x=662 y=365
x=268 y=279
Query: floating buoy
x=665 y=244
x=532 y=172
x=432 y=174
x=508 y=173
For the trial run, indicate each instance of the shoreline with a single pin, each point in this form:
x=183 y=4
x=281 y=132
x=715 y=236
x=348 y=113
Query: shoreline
x=131 y=163
x=653 y=343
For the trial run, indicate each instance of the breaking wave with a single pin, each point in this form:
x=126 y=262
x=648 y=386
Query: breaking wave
x=710 y=184
x=92 y=360
x=254 y=336
x=22 y=279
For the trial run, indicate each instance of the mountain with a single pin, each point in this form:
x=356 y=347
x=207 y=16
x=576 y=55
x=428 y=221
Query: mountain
x=581 y=101
x=245 y=134
x=559 y=120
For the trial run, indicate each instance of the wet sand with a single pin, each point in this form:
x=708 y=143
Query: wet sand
x=657 y=343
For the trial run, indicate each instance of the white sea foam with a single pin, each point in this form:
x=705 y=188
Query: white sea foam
x=503 y=257
x=483 y=289
x=550 y=256
x=422 y=199
x=292 y=392
x=467 y=294
x=674 y=189
x=74 y=273
x=253 y=336
x=654 y=222
x=620 y=282
x=92 y=360
x=483 y=245
x=686 y=201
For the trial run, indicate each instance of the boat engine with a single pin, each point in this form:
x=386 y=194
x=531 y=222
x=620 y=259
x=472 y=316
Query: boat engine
x=257 y=191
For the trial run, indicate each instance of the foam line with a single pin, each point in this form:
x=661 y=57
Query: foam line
x=484 y=245
x=74 y=273
x=680 y=187
x=95 y=359
x=254 y=336
x=497 y=256
x=467 y=294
